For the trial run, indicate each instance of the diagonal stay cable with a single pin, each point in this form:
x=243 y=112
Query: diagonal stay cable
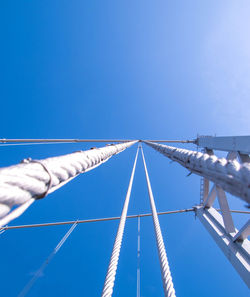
x=111 y=273
x=39 y=272
x=232 y=176
x=165 y=270
x=31 y=180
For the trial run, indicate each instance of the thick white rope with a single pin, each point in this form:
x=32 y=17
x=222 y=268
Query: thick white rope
x=230 y=175
x=111 y=273
x=165 y=269
x=39 y=272
x=23 y=183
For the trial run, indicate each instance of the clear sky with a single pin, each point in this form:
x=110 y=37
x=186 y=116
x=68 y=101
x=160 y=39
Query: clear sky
x=120 y=69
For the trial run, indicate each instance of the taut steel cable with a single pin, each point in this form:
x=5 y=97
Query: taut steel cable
x=22 y=184
x=111 y=273
x=138 y=283
x=165 y=269
x=230 y=175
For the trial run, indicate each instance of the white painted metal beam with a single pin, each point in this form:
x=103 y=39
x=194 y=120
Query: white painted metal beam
x=225 y=211
x=208 y=202
x=236 y=252
x=205 y=180
x=227 y=143
x=243 y=233
x=243 y=158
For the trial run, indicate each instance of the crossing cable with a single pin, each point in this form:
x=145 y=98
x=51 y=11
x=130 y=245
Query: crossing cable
x=39 y=272
x=31 y=180
x=107 y=219
x=111 y=273
x=95 y=220
x=230 y=175
x=165 y=269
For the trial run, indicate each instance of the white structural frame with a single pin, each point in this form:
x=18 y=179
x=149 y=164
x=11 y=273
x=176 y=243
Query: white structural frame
x=55 y=172
x=233 y=242
x=239 y=144
x=237 y=252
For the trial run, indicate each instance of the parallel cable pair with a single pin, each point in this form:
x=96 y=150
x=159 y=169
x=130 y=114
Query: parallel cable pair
x=32 y=180
x=165 y=270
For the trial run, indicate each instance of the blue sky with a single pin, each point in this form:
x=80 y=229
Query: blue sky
x=125 y=69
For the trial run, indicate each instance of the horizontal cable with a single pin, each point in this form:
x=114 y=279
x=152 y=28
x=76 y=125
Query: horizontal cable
x=3 y=140
x=237 y=211
x=107 y=219
x=172 y=141
x=30 y=141
x=93 y=220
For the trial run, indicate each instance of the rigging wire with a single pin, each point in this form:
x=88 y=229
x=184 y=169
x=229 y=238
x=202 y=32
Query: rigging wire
x=93 y=220
x=231 y=176
x=16 y=141
x=3 y=140
x=167 y=281
x=138 y=283
x=32 y=143
x=31 y=180
x=113 y=263
x=105 y=219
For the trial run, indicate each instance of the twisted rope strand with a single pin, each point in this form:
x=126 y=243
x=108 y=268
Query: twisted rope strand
x=29 y=180
x=230 y=175
x=111 y=273
x=165 y=269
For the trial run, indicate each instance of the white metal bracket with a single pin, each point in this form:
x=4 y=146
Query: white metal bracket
x=243 y=233
x=232 y=242
x=237 y=252
x=204 y=188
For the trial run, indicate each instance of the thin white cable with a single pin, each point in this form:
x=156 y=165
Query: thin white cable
x=138 y=258
x=165 y=269
x=111 y=273
x=230 y=175
x=33 y=143
x=30 y=180
x=39 y=272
